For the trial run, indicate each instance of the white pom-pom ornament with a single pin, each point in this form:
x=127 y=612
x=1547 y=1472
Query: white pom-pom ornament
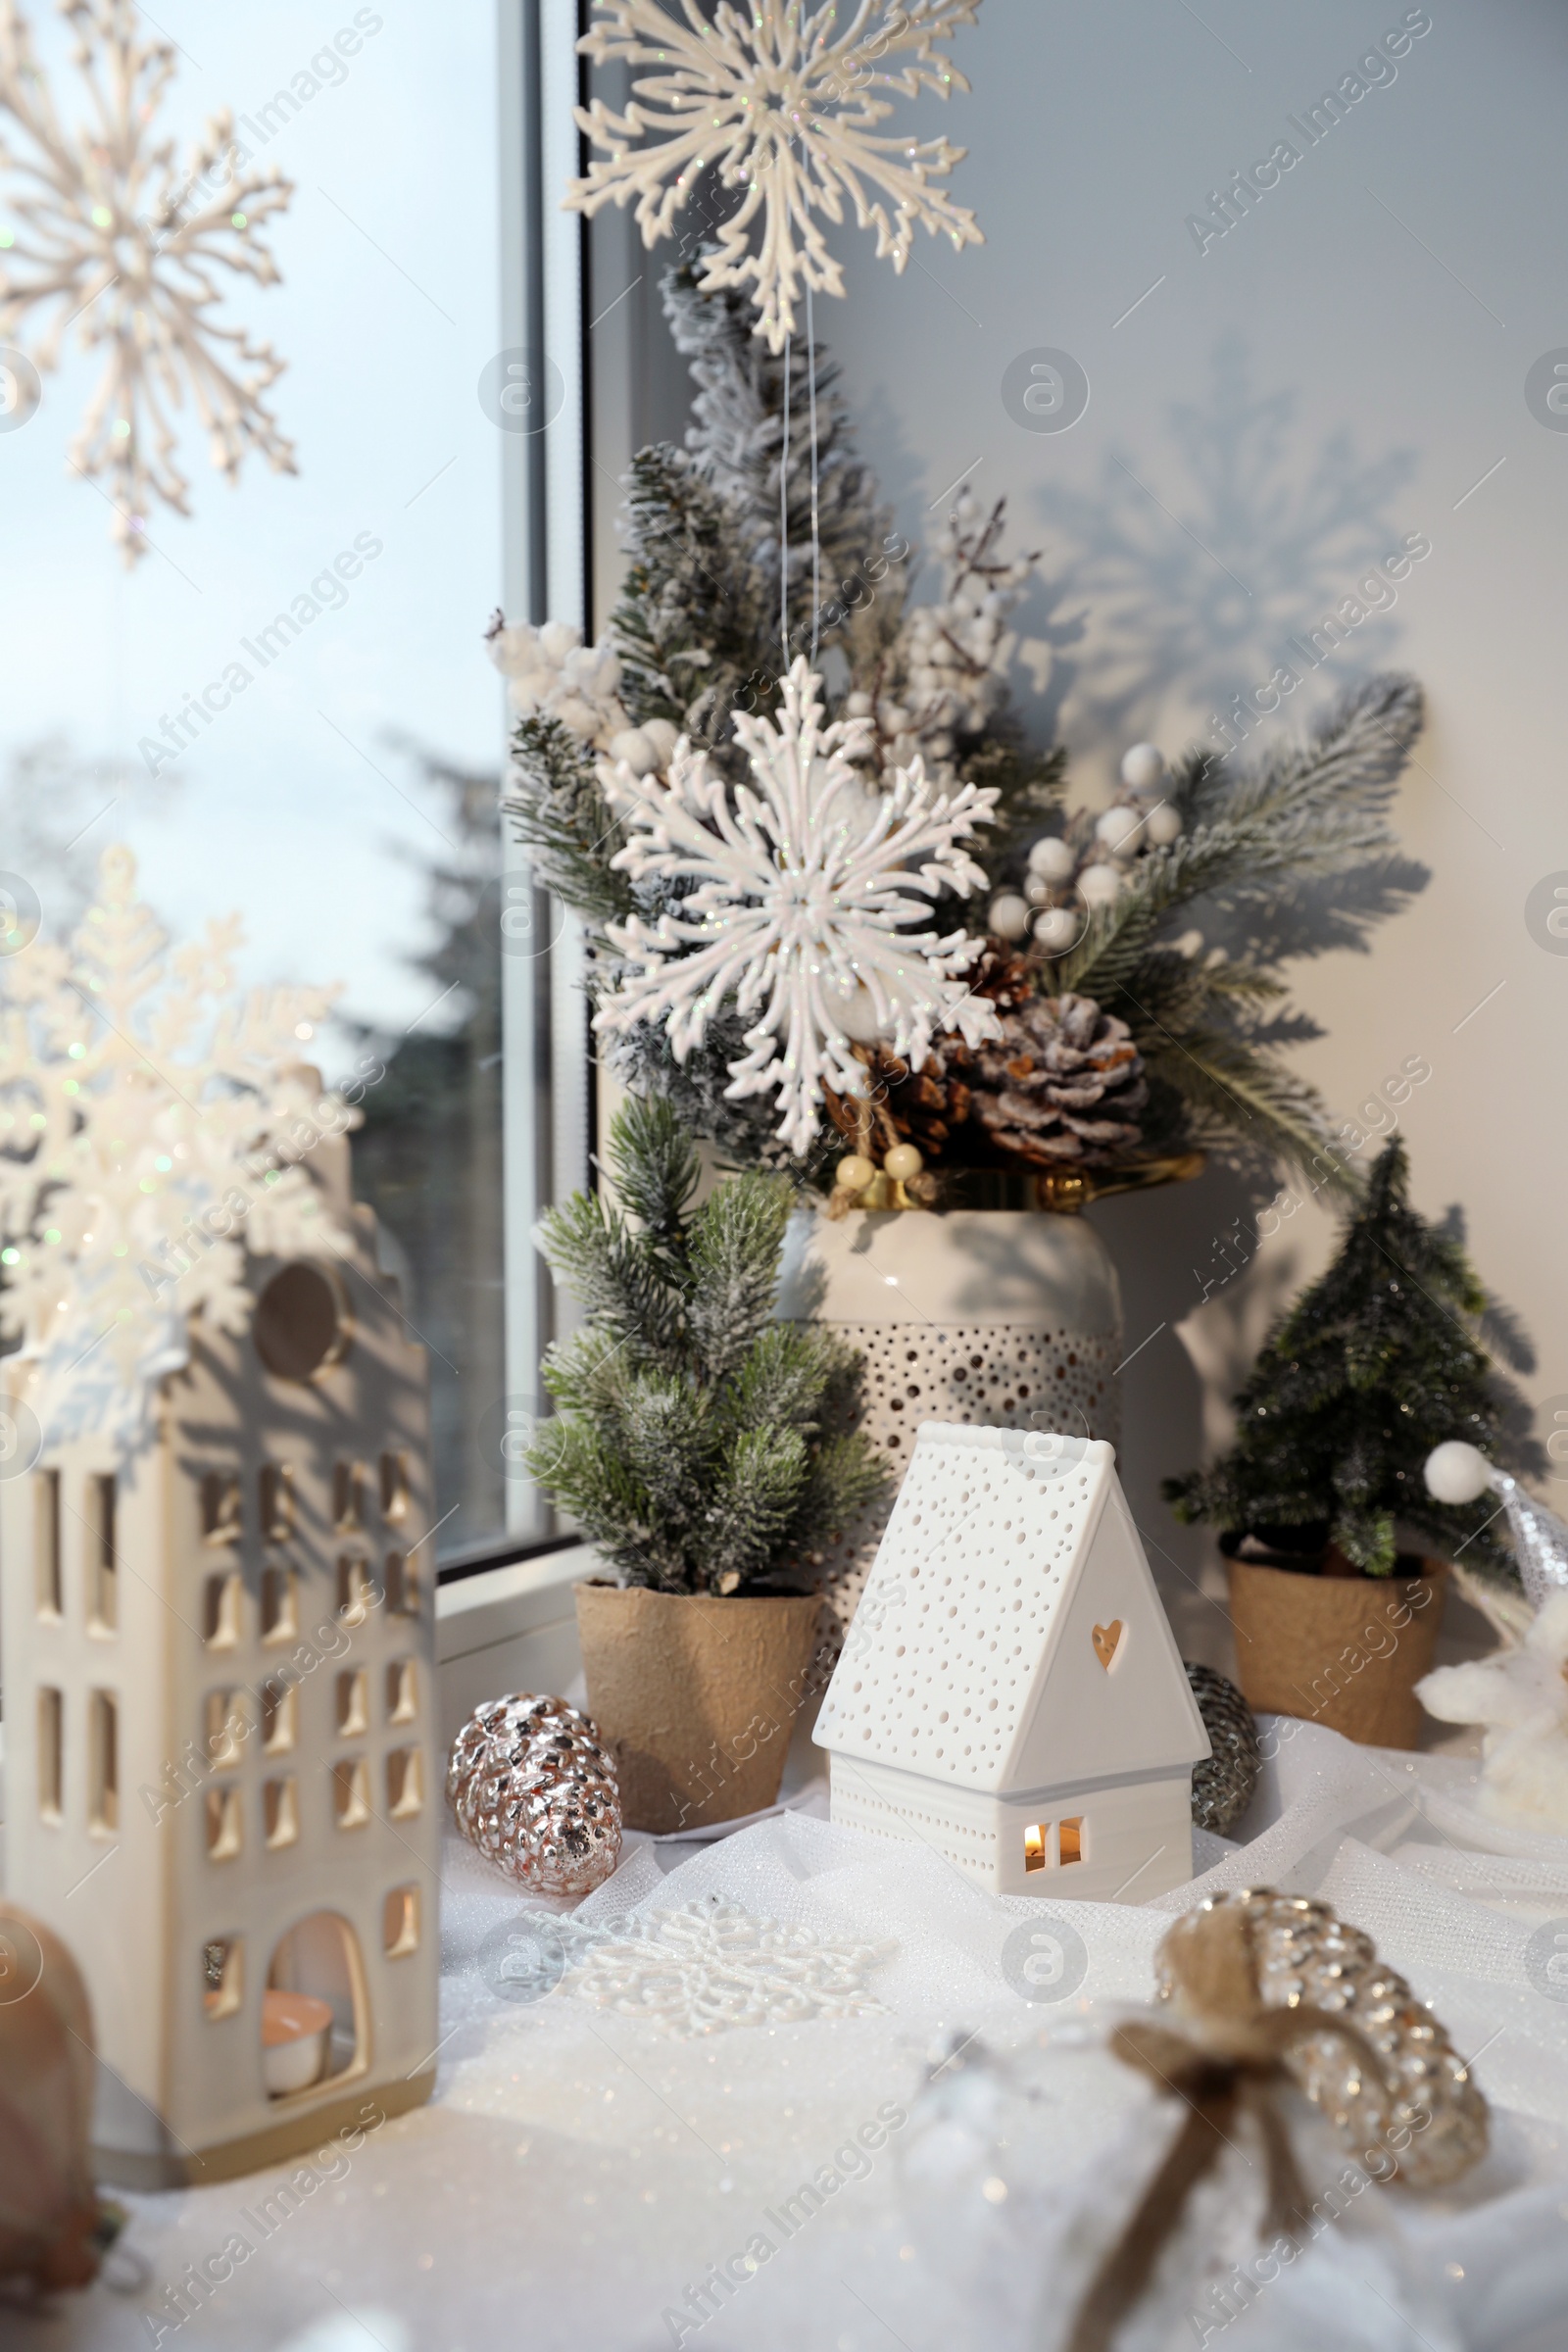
x=1010 y=915
x=1162 y=825
x=1052 y=859
x=1456 y=1472
x=1143 y=767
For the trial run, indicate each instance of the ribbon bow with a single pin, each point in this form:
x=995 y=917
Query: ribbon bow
x=1229 y=2057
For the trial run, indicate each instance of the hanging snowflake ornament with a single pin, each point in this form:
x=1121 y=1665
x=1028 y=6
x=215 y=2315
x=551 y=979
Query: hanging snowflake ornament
x=779 y=99
x=152 y=1130
x=103 y=229
x=801 y=898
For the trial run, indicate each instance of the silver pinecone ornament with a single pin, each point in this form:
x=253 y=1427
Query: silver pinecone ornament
x=1223 y=1784
x=531 y=1786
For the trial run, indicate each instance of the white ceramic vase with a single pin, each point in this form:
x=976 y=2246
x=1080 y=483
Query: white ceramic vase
x=1010 y=1318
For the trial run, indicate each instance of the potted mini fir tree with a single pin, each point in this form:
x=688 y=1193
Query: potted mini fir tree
x=1320 y=1502
x=707 y=1451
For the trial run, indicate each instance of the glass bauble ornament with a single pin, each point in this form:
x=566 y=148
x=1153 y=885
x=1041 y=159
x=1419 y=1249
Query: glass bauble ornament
x=533 y=1788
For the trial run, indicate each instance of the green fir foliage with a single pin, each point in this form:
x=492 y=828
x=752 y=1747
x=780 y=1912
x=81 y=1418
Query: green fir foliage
x=703 y=1446
x=1375 y=1363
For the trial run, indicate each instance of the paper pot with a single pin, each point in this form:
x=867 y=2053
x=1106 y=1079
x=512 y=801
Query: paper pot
x=695 y=1697
x=1345 y=1650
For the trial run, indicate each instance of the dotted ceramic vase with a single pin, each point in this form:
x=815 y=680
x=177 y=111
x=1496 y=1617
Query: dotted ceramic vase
x=1007 y=1318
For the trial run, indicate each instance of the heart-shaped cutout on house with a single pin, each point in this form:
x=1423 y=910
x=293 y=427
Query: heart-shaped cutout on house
x=1107 y=1641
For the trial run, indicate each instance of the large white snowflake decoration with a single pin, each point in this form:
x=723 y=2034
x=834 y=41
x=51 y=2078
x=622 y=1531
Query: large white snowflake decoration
x=780 y=99
x=152 y=1130
x=804 y=890
x=120 y=240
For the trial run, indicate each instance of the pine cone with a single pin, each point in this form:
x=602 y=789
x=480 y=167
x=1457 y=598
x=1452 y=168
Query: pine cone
x=1063 y=1086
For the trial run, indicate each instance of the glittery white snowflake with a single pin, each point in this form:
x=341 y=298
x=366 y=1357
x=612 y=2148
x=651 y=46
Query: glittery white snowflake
x=780 y=99
x=152 y=1128
x=711 y=1965
x=114 y=236
x=804 y=890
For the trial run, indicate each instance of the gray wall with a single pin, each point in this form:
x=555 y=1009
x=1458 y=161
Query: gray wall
x=1334 y=373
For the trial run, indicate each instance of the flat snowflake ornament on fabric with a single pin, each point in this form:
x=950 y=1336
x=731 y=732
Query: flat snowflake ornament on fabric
x=804 y=889
x=151 y=1130
x=117 y=239
x=780 y=100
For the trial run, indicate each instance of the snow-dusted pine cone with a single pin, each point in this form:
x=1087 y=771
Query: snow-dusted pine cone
x=1063 y=1086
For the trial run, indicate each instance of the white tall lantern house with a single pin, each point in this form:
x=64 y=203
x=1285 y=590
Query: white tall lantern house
x=222 y=1780
x=1011 y=1693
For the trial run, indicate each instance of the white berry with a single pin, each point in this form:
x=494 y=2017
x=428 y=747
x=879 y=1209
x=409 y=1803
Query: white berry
x=1163 y=826
x=1059 y=929
x=1117 y=830
x=1143 y=767
x=853 y=1173
x=903 y=1162
x=1008 y=918
x=1052 y=859
x=1100 y=885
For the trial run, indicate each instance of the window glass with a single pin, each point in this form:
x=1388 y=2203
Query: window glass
x=283 y=706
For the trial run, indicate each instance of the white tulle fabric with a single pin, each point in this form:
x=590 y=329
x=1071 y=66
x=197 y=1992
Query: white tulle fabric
x=585 y=2166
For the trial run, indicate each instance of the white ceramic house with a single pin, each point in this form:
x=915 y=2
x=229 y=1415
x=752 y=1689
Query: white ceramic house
x=222 y=1785
x=1010 y=1693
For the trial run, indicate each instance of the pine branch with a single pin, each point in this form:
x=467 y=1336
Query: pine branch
x=559 y=812
x=656 y=1167
x=734 y=1247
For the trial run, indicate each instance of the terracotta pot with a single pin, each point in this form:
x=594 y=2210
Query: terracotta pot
x=695 y=1697
x=1345 y=1650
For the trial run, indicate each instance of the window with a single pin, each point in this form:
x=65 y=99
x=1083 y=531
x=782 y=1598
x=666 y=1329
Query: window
x=281 y=1821
x=51 y=1755
x=279 y=1717
x=223 y=1508
x=405 y=1783
x=103 y=1762
x=343 y=801
x=353 y=1705
x=348 y=1498
x=402 y=1691
x=279 y=1610
x=225 y=1729
x=351 y=1792
x=394 y=1487
x=224 y=1824
x=103 y=1568
x=400 y=1923
x=222 y=1977
x=220 y=1606
x=46 y=1544
x=402 y=1585
x=353 y=1589
x=1050 y=1844
x=275 y=1501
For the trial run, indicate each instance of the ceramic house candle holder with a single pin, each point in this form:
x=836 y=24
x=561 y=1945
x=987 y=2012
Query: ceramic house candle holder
x=221 y=1769
x=1010 y=1693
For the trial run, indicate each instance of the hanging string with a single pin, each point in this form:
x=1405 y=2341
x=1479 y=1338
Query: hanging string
x=816 y=531
x=784 y=519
